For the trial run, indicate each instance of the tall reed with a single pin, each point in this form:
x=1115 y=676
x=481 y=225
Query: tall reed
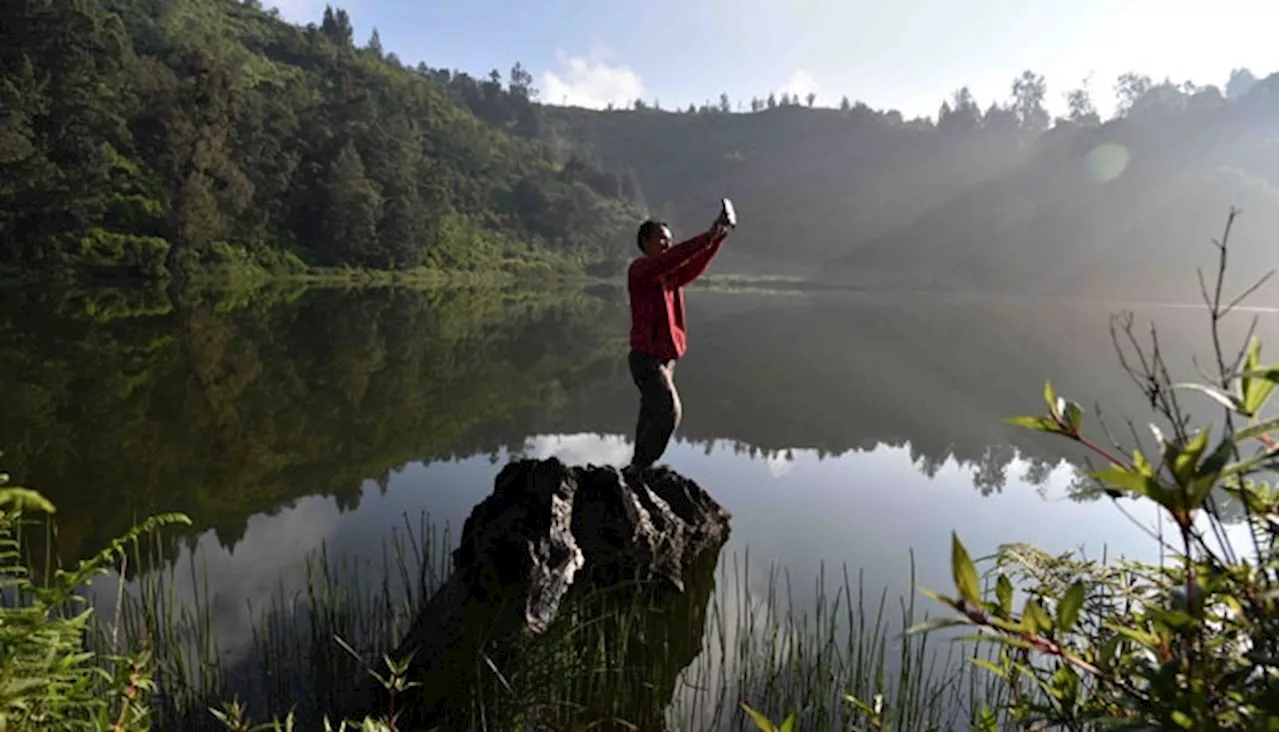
x=623 y=654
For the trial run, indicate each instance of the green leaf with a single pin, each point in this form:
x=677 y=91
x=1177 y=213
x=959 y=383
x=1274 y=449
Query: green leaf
x=977 y=638
x=935 y=624
x=1217 y=459
x=1034 y=617
x=1257 y=430
x=1230 y=402
x=763 y=723
x=1148 y=640
x=986 y=721
x=25 y=498
x=984 y=663
x=1049 y=399
x=1108 y=651
x=1184 y=461
x=1043 y=424
x=1124 y=478
x=1256 y=392
x=962 y=570
x=934 y=596
x=1065 y=685
x=871 y=710
x=1246 y=466
x=1198 y=492
x=1141 y=465
x=1271 y=374
x=789 y=724
x=1004 y=594
x=1181 y=719
x=1143 y=483
x=1069 y=607
x=1175 y=619
x=1256 y=384
x=1071 y=414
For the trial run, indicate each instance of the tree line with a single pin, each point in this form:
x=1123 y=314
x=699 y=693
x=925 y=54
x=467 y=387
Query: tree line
x=161 y=138
x=157 y=138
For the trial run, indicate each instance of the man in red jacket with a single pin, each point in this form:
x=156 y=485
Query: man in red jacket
x=656 y=283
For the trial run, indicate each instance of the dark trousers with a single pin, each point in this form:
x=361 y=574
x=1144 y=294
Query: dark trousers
x=659 y=406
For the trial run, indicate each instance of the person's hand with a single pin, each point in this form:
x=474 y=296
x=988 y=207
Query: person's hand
x=720 y=227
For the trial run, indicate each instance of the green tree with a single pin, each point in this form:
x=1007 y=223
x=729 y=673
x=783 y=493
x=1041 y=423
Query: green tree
x=336 y=26
x=961 y=115
x=1130 y=87
x=350 y=225
x=1239 y=83
x=63 y=64
x=1080 y=107
x=521 y=82
x=1028 y=102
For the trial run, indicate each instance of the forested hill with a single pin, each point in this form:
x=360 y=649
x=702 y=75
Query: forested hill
x=159 y=137
x=996 y=196
x=164 y=137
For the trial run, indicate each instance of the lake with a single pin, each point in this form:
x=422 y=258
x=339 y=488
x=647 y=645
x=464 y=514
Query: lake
x=854 y=429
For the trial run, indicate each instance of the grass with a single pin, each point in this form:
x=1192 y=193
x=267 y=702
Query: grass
x=617 y=655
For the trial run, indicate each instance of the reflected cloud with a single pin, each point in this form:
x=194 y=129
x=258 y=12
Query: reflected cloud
x=267 y=562
x=779 y=464
x=581 y=449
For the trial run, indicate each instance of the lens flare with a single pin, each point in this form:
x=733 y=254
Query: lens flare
x=1106 y=162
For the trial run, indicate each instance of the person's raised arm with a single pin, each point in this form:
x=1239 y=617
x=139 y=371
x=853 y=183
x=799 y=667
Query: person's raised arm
x=651 y=269
x=694 y=266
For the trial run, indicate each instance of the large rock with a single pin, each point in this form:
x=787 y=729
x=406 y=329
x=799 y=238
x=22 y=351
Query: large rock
x=547 y=534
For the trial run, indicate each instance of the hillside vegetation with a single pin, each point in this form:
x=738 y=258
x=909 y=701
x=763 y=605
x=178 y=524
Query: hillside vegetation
x=160 y=138
x=998 y=199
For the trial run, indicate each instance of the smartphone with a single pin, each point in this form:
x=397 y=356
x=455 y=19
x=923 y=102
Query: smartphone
x=727 y=213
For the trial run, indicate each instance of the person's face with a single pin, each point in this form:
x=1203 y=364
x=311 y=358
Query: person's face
x=658 y=242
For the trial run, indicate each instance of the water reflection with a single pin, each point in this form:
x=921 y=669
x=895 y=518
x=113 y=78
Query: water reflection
x=867 y=509
x=226 y=409
x=873 y=510
x=836 y=428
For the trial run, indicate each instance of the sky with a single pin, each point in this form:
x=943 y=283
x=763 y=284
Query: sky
x=908 y=56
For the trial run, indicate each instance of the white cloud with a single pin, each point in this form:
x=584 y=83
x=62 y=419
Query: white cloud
x=801 y=83
x=588 y=81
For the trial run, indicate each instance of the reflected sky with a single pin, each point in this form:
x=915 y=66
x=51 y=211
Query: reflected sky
x=792 y=510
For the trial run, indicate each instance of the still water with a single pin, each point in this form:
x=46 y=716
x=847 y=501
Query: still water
x=838 y=428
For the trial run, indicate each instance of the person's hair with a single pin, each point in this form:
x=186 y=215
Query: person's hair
x=647 y=230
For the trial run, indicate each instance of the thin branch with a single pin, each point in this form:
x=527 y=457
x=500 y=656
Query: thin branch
x=1097 y=410
x=1252 y=289
x=1225 y=375
x=1170 y=406
x=1157 y=534
x=1126 y=320
x=1204 y=289
x=1204 y=375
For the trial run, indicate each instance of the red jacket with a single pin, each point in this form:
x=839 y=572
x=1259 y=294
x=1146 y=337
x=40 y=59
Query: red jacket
x=656 y=285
